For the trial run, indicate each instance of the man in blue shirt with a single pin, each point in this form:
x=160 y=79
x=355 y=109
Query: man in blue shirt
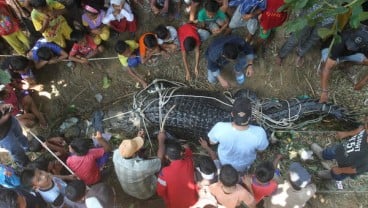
x=229 y=49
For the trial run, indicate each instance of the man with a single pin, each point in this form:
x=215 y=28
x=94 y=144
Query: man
x=351 y=155
x=11 y=136
x=137 y=175
x=352 y=48
x=238 y=140
x=295 y=191
x=176 y=183
x=229 y=49
x=19 y=198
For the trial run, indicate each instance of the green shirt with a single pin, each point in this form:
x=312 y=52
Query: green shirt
x=202 y=16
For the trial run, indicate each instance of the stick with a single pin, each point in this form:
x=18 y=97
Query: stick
x=310 y=86
x=51 y=152
x=77 y=95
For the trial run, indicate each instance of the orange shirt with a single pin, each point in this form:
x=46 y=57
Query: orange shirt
x=142 y=46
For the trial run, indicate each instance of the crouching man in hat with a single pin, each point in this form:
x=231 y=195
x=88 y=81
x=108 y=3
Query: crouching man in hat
x=137 y=175
x=238 y=140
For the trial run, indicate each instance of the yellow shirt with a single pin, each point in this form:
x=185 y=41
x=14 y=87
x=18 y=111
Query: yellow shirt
x=132 y=45
x=38 y=17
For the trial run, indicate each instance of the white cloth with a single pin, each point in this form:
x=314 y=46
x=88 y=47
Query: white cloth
x=173 y=37
x=126 y=12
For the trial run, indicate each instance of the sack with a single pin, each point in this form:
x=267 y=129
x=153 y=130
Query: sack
x=252 y=25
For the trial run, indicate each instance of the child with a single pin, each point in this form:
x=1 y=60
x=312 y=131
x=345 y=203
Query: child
x=24 y=107
x=149 y=48
x=228 y=192
x=213 y=19
x=261 y=183
x=8 y=177
x=92 y=19
x=44 y=53
x=10 y=30
x=167 y=38
x=83 y=48
x=295 y=191
x=120 y=17
x=99 y=195
x=51 y=188
x=47 y=19
x=129 y=57
x=190 y=38
x=83 y=160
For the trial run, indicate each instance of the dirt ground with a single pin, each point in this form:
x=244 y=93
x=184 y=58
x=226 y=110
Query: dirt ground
x=72 y=93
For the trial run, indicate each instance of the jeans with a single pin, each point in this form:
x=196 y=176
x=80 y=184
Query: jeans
x=329 y=154
x=237 y=21
x=304 y=40
x=16 y=143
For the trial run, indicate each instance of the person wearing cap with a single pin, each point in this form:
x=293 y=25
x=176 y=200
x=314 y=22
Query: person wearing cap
x=351 y=154
x=176 y=184
x=238 y=140
x=92 y=19
x=353 y=46
x=120 y=17
x=136 y=174
x=293 y=192
x=229 y=49
x=11 y=136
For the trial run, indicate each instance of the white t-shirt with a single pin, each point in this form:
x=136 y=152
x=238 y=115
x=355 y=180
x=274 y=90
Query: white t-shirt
x=173 y=36
x=126 y=13
x=238 y=148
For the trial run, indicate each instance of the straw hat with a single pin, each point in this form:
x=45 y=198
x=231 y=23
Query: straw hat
x=129 y=147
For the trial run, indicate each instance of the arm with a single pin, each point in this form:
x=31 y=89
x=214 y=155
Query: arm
x=324 y=79
x=251 y=15
x=165 y=9
x=40 y=64
x=344 y=170
x=361 y=83
x=136 y=77
x=187 y=73
x=45 y=25
x=161 y=137
x=105 y=145
x=197 y=53
x=78 y=59
x=344 y=134
x=204 y=145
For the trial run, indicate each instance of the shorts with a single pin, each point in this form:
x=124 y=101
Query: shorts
x=263 y=35
x=357 y=57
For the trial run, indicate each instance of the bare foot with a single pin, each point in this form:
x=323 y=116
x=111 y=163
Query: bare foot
x=278 y=60
x=299 y=61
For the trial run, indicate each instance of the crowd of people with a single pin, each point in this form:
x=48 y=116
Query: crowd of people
x=46 y=32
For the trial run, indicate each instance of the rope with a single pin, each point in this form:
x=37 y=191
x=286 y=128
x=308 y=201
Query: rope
x=339 y=192
x=117 y=115
x=167 y=114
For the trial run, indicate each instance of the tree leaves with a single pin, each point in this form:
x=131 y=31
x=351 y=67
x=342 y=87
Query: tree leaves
x=324 y=33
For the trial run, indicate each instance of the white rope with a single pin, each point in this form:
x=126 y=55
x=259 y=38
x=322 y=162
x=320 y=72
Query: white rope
x=117 y=115
x=51 y=152
x=167 y=114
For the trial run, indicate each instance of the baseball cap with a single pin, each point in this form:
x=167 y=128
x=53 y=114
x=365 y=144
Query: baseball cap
x=242 y=111
x=357 y=40
x=129 y=147
x=117 y=2
x=299 y=175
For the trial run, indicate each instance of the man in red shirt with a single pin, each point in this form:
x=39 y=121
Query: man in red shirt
x=175 y=183
x=84 y=160
x=190 y=39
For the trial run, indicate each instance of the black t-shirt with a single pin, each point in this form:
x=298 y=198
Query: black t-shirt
x=354 y=152
x=33 y=199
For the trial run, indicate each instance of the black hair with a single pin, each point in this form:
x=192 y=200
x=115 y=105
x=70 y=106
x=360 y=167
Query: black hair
x=75 y=190
x=77 y=35
x=231 y=50
x=212 y=6
x=8 y=198
x=35 y=145
x=40 y=163
x=37 y=4
x=228 y=176
x=206 y=165
x=80 y=146
x=161 y=31
x=5 y=64
x=174 y=150
x=26 y=177
x=121 y=46
x=189 y=44
x=265 y=171
x=150 y=41
x=18 y=63
x=45 y=53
